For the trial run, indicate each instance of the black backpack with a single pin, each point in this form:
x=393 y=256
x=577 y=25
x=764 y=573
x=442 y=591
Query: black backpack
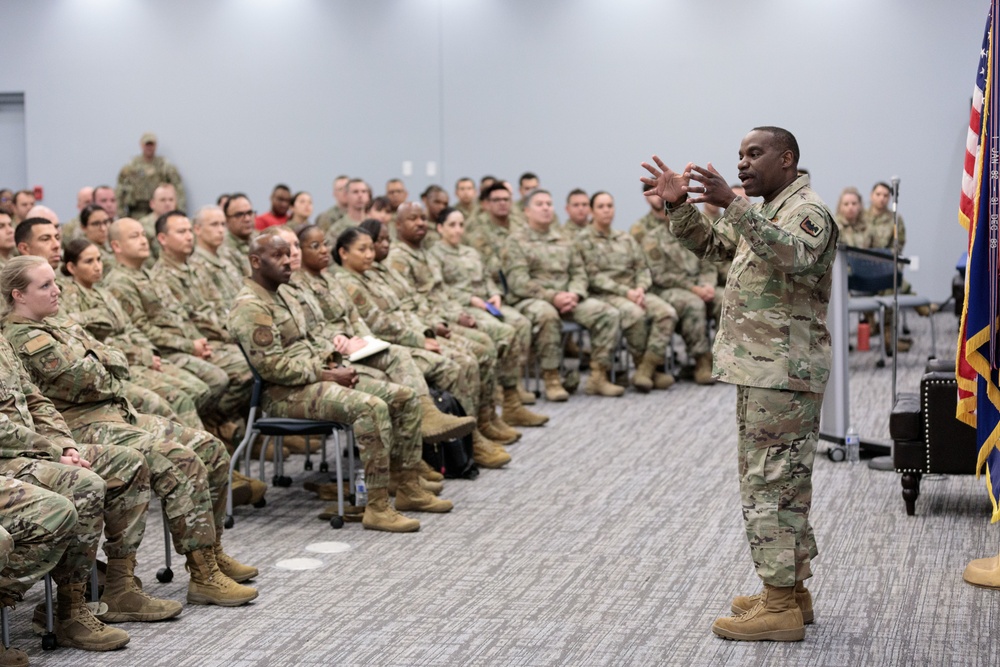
x=452 y=458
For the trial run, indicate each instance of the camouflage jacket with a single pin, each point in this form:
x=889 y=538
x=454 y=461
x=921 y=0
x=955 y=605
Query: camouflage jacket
x=671 y=265
x=273 y=332
x=138 y=179
x=333 y=301
x=879 y=229
x=422 y=272
x=855 y=235
x=219 y=279
x=489 y=239
x=186 y=287
x=331 y=215
x=772 y=331
x=30 y=426
x=643 y=226
x=464 y=273
x=613 y=261
x=381 y=308
x=100 y=313
x=80 y=375
x=236 y=251
x=539 y=265
x=153 y=309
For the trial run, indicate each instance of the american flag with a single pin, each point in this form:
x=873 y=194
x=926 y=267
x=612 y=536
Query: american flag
x=976 y=367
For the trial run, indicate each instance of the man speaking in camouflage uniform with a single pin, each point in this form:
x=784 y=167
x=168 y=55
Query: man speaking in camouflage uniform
x=774 y=345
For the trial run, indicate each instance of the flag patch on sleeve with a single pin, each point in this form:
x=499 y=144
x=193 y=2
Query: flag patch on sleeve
x=810 y=227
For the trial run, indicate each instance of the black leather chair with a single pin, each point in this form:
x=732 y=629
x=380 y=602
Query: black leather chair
x=927 y=439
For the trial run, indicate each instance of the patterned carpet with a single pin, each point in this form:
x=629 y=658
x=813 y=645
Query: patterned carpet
x=613 y=538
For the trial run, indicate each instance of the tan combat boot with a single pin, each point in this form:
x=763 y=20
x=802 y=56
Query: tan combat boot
x=242 y=491
x=645 y=367
x=598 y=383
x=486 y=453
x=12 y=657
x=703 y=369
x=495 y=429
x=527 y=397
x=436 y=426
x=776 y=617
x=127 y=602
x=429 y=473
x=410 y=496
x=433 y=487
x=208 y=585
x=744 y=603
x=663 y=380
x=77 y=627
x=381 y=515
x=554 y=390
x=231 y=567
x=983 y=572
x=514 y=412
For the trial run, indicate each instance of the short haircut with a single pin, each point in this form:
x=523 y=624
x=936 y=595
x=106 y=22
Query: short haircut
x=534 y=193
x=23 y=232
x=485 y=179
x=224 y=197
x=783 y=139
x=577 y=191
x=93 y=197
x=258 y=240
x=233 y=197
x=485 y=193
x=356 y=180
x=200 y=214
x=281 y=186
x=381 y=203
x=391 y=181
x=463 y=180
x=431 y=189
x=527 y=176
x=161 y=222
x=22 y=192
x=443 y=215
x=72 y=253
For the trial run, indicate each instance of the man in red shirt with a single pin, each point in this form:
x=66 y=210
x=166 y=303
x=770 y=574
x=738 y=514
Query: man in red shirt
x=281 y=200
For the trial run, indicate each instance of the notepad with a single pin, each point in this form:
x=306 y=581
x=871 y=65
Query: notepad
x=374 y=346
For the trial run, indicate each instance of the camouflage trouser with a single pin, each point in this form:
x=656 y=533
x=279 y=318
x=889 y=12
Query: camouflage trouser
x=235 y=401
x=367 y=413
x=210 y=374
x=646 y=330
x=398 y=366
x=86 y=492
x=36 y=527
x=453 y=371
x=478 y=346
x=777 y=438
x=172 y=385
x=189 y=473
x=509 y=341
x=598 y=317
x=692 y=323
x=146 y=400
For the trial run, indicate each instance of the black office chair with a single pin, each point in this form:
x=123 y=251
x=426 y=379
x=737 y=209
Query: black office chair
x=279 y=427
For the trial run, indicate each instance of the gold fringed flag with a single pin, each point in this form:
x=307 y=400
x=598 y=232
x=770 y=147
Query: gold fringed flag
x=976 y=366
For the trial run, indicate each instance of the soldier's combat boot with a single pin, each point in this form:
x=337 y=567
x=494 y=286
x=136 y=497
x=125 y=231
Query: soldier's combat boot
x=776 y=617
x=553 y=386
x=642 y=379
x=527 y=397
x=494 y=429
x=381 y=515
x=76 y=625
x=12 y=657
x=983 y=572
x=703 y=369
x=429 y=473
x=231 y=567
x=436 y=426
x=488 y=454
x=744 y=603
x=514 y=412
x=433 y=487
x=127 y=602
x=410 y=496
x=208 y=585
x=242 y=493
x=598 y=383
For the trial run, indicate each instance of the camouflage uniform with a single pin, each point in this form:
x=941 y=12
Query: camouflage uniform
x=331 y=215
x=643 y=226
x=488 y=238
x=774 y=344
x=571 y=230
x=339 y=226
x=386 y=417
x=855 y=235
x=100 y=313
x=538 y=265
x=879 y=229
x=113 y=494
x=615 y=264
x=70 y=230
x=139 y=178
x=675 y=270
x=219 y=279
x=465 y=276
x=236 y=251
x=422 y=272
x=188 y=468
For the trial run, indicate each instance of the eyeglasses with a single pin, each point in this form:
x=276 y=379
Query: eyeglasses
x=242 y=214
x=499 y=200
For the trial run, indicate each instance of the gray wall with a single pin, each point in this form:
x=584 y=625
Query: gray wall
x=246 y=93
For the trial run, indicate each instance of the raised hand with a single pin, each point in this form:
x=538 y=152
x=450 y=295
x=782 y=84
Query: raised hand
x=713 y=188
x=666 y=183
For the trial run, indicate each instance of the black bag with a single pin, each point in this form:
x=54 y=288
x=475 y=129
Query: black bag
x=452 y=458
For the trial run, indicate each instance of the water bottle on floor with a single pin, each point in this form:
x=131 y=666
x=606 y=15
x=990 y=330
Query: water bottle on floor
x=360 y=490
x=852 y=442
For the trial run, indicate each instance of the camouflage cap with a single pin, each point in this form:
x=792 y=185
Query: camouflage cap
x=147 y=138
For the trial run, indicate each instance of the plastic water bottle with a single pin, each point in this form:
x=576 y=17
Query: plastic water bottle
x=852 y=441
x=360 y=489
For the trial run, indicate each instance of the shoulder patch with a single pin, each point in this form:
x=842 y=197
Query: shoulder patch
x=810 y=227
x=263 y=336
x=38 y=343
x=263 y=319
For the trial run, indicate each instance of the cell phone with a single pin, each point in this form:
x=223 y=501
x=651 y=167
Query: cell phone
x=494 y=311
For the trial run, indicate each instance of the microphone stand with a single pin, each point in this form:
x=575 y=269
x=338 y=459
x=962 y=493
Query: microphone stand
x=895 y=283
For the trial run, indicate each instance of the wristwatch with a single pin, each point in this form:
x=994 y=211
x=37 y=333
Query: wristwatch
x=668 y=207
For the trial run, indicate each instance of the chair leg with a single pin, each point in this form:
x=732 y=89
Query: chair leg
x=49 y=638
x=166 y=573
x=242 y=449
x=911 y=491
x=4 y=627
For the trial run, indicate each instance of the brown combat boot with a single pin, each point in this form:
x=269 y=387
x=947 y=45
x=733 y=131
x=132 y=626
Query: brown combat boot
x=12 y=657
x=554 y=390
x=436 y=426
x=744 y=603
x=433 y=487
x=429 y=473
x=231 y=567
x=494 y=428
x=645 y=367
x=208 y=585
x=598 y=383
x=76 y=625
x=243 y=489
x=486 y=453
x=514 y=412
x=703 y=369
x=776 y=617
x=527 y=397
x=410 y=496
x=381 y=515
x=127 y=602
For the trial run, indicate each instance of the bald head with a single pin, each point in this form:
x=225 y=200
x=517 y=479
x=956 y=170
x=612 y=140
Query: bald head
x=129 y=243
x=270 y=260
x=84 y=196
x=40 y=211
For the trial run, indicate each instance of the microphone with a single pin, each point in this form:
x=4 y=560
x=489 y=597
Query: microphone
x=895 y=186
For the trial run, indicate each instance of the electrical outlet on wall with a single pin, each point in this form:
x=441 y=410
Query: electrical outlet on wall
x=914 y=263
